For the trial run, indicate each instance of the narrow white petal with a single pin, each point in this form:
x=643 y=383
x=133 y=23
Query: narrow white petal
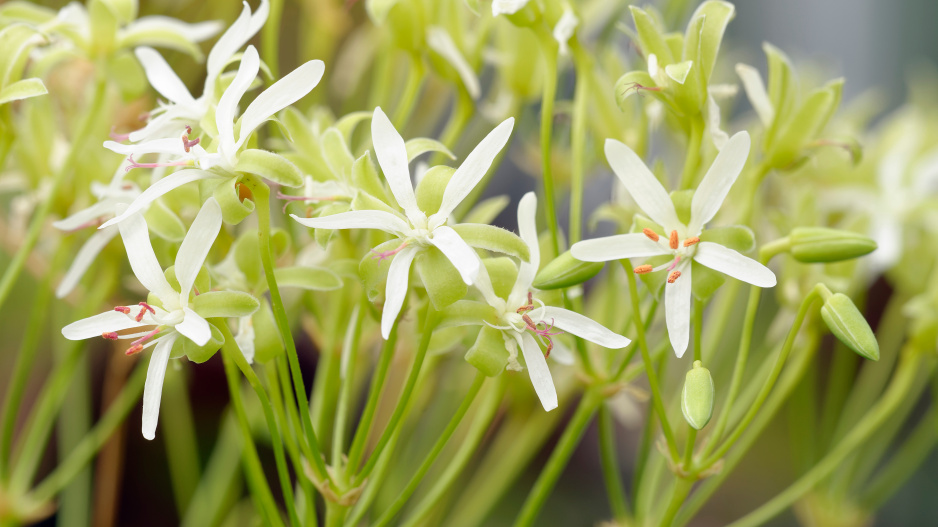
x=507 y=7
x=634 y=245
x=153 y=389
x=83 y=260
x=94 y=326
x=581 y=326
x=439 y=40
x=194 y=327
x=730 y=262
x=396 y=290
x=154 y=191
x=81 y=218
x=458 y=252
x=236 y=36
x=143 y=260
x=165 y=145
x=538 y=371
x=162 y=77
x=196 y=245
x=642 y=185
x=392 y=156
x=677 y=310
x=475 y=166
x=717 y=135
x=527 y=228
x=228 y=104
x=887 y=233
x=281 y=94
x=357 y=219
x=483 y=283
x=755 y=91
x=716 y=183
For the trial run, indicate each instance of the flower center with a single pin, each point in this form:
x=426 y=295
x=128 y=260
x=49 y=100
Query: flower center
x=680 y=249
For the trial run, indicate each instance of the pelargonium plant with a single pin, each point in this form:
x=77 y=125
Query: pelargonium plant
x=373 y=291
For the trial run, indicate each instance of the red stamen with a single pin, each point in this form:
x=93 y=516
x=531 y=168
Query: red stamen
x=110 y=335
x=652 y=235
x=136 y=348
x=638 y=88
x=144 y=307
x=387 y=254
x=146 y=337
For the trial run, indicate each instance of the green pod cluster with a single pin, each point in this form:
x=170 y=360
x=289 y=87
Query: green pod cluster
x=847 y=324
x=819 y=244
x=697 y=396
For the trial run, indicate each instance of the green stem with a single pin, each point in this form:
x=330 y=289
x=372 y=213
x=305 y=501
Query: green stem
x=357 y=450
x=231 y=351
x=692 y=158
x=578 y=133
x=894 y=395
x=454 y=422
x=656 y=399
x=569 y=440
x=84 y=134
x=182 y=449
x=610 y=465
x=270 y=39
x=89 y=446
x=405 y=105
x=350 y=352
x=682 y=487
x=395 y=421
x=549 y=51
x=220 y=485
x=262 y=201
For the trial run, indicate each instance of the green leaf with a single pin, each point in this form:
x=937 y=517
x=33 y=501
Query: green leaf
x=566 y=271
x=493 y=238
x=225 y=304
x=313 y=278
x=488 y=354
x=441 y=280
x=23 y=89
x=421 y=145
x=270 y=166
x=847 y=324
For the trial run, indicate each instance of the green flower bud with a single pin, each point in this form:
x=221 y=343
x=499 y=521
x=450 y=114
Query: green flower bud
x=225 y=304
x=697 y=396
x=847 y=324
x=488 y=354
x=269 y=165
x=566 y=271
x=819 y=244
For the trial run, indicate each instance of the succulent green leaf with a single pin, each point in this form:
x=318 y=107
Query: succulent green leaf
x=488 y=354
x=566 y=271
x=847 y=324
x=225 y=304
x=493 y=238
x=697 y=396
x=270 y=166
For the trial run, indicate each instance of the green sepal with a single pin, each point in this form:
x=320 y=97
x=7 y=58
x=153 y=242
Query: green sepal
x=267 y=342
x=651 y=37
x=466 y=313
x=502 y=273
x=429 y=191
x=23 y=89
x=324 y=235
x=780 y=89
x=164 y=222
x=819 y=244
x=247 y=256
x=488 y=354
x=313 y=278
x=493 y=238
x=372 y=270
x=421 y=145
x=21 y=11
x=271 y=166
x=202 y=283
x=631 y=83
x=15 y=41
x=200 y=354
x=160 y=37
x=806 y=124
x=126 y=72
x=336 y=153
x=104 y=25
x=704 y=45
x=378 y=10
x=697 y=396
x=228 y=195
x=487 y=210
x=442 y=281
x=298 y=129
x=655 y=281
x=847 y=324
x=705 y=281
x=682 y=200
x=365 y=178
x=737 y=237
x=641 y=222
x=225 y=304
x=566 y=271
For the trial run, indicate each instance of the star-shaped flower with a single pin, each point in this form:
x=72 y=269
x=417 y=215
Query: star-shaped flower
x=680 y=241
x=416 y=229
x=174 y=318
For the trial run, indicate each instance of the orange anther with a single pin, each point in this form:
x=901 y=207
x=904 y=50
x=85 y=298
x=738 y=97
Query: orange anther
x=652 y=235
x=673 y=241
x=691 y=241
x=110 y=335
x=136 y=348
x=674 y=276
x=642 y=269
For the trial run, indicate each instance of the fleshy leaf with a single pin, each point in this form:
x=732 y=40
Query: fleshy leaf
x=225 y=304
x=493 y=238
x=270 y=166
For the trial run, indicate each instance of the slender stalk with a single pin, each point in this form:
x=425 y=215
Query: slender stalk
x=610 y=465
x=270 y=39
x=262 y=201
x=182 y=451
x=906 y=461
x=549 y=51
x=692 y=158
x=405 y=105
x=679 y=492
x=220 y=485
x=431 y=456
x=357 y=449
x=578 y=133
x=350 y=352
x=581 y=419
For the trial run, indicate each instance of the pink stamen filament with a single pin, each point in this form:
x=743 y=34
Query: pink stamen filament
x=134 y=164
x=387 y=254
x=146 y=337
x=118 y=137
x=144 y=307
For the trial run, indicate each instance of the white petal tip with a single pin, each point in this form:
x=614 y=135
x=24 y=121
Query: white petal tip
x=149 y=435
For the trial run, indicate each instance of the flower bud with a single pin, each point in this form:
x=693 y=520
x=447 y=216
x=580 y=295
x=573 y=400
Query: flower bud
x=847 y=324
x=566 y=271
x=488 y=354
x=818 y=244
x=697 y=396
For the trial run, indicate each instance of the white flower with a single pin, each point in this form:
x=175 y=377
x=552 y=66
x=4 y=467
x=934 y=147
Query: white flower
x=564 y=29
x=174 y=318
x=439 y=40
x=524 y=320
x=182 y=108
x=507 y=7
x=183 y=152
x=416 y=230
x=680 y=241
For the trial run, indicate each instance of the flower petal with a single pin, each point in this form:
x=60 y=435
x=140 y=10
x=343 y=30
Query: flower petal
x=143 y=261
x=538 y=371
x=463 y=258
x=716 y=183
x=153 y=389
x=475 y=166
x=357 y=219
x=228 y=103
x=278 y=96
x=166 y=145
x=730 y=262
x=581 y=326
x=677 y=310
x=85 y=216
x=94 y=326
x=83 y=260
x=642 y=185
x=755 y=91
x=439 y=40
x=194 y=327
x=154 y=191
x=392 y=157
x=397 y=288
x=527 y=227
x=162 y=77
x=634 y=245
x=196 y=245
x=243 y=28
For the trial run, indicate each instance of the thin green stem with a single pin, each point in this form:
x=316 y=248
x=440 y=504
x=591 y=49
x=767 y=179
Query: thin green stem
x=610 y=465
x=360 y=438
x=681 y=488
x=692 y=157
x=270 y=39
x=405 y=105
x=549 y=52
x=578 y=133
x=454 y=422
x=347 y=377
x=555 y=466
x=182 y=449
x=220 y=486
